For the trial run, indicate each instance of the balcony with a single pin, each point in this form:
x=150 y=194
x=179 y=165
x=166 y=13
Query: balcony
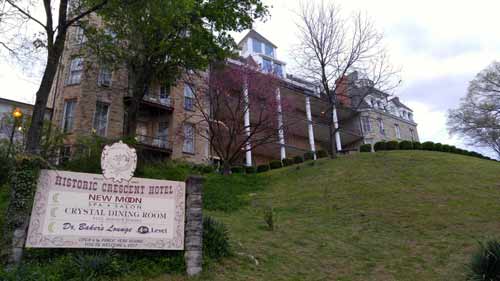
x=160 y=144
x=153 y=101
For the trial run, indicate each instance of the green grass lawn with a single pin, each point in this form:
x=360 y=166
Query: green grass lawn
x=402 y=215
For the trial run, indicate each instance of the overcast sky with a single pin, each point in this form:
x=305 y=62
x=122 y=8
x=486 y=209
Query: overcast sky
x=440 y=46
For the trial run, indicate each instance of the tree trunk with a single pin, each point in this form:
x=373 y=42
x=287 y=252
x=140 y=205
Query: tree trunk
x=131 y=117
x=226 y=168
x=333 y=146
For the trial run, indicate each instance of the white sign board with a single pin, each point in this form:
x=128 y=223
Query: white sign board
x=79 y=210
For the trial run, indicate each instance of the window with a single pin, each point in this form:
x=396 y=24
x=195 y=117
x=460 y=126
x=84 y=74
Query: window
x=398 y=131
x=68 y=115
x=256 y=46
x=80 y=37
x=269 y=50
x=164 y=95
x=162 y=134
x=267 y=65
x=410 y=116
x=104 y=78
x=278 y=69
x=381 y=126
x=188 y=146
x=188 y=98
x=101 y=118
x=75 y=71
x=365 y=124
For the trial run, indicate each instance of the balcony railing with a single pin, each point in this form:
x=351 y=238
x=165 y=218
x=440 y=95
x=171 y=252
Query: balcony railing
x=155 y=101
x=154 y=142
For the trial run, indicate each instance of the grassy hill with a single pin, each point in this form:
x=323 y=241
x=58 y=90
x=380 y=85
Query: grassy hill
x=402 y=215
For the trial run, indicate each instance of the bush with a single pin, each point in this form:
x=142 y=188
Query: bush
x=428 y=145
x=392 y=145
x=406 y=145
x=165 y=170
x=485 y=262
x=288 y=162
x=250 y=170
x=438 y=147
x=298 y=159
x=417 y=145
x=365 y=148
x=321 y=154
x=237 y=169
x=263 y=168
x=446 y=148
x=309 y=156
x=380 y=145
x=453 y=149
x=275 y=164
x=215 y=238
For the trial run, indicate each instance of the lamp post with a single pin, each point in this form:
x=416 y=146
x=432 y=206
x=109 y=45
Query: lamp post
x=17 y=114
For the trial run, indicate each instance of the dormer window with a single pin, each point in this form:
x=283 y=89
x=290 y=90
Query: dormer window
x=278 y=69
x=256 y=46
x=269 y=50
x=267 y=65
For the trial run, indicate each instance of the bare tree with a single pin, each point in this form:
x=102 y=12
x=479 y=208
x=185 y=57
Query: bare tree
x=478 y=116
x=330 y=46
x=235 y=90
x=37 y=22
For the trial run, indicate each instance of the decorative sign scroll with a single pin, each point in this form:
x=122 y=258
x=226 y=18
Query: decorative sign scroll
x=79 y=210
x=118 y=162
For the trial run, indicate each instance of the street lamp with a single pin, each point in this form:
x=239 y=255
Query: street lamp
x=17 y=114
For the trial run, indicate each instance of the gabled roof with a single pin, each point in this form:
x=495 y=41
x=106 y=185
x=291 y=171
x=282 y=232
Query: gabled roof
x=254 y=34
x=397 y=102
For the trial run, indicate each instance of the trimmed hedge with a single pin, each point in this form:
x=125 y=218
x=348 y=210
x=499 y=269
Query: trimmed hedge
x=365 y=148
x=446 y=148
x=237 y=169
x=428 y=145
x=288 y=162
x=309 y=156
x=263 y=168
x=275 y=164
x=321 y=154
x=250 y=170
x=417 y=145
x=392 y=145
x=298 y=159
x=438 y=147
x=380 y=145
x=406 y=145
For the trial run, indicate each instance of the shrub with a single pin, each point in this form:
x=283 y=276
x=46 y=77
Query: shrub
x=275 y=164
x=237 y=169
x=453 y=149
x=417 y=145
x=165 y=170
x=97 y=265
x=215 y=238
x=438 y=147
x=485 y=262
x=250 y=170
x=309 y=155
x=365 y=148
x=321 y=154
x=298 y=159
x=262 y=168
x=288 y=162
x=380 y=145
x=406 y=145
x=446 y=148
x=428 y=145
x=392 y=145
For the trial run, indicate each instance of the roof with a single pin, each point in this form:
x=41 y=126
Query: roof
x=14 y=102
x=397 y=102
x=254 y=34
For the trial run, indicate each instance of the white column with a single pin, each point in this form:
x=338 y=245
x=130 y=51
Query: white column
x=281 y=134
x=248 y=154
x=310 y=131
x=336 y=127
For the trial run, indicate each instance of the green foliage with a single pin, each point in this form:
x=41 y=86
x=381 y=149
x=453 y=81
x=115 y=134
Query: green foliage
x=275 y=164
x=86 y=157
x=308 y=155
x=417 y=145
x=453 y=149
x=428 y=145
x=381 y=145
x=446 y=148
x=7 y=163
x=405 y=145
x=365 y=148
x=269 y=217
x=237 y=169
x=392 y=145
x=438 y=147
x=288 y=162
x=215 y=239
x=230 y=193
x=298 y=159
x=166 y=170
x=485 y=262
x=93 y=266
x=321 y=153
x=250 y=170
x=263 y=168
